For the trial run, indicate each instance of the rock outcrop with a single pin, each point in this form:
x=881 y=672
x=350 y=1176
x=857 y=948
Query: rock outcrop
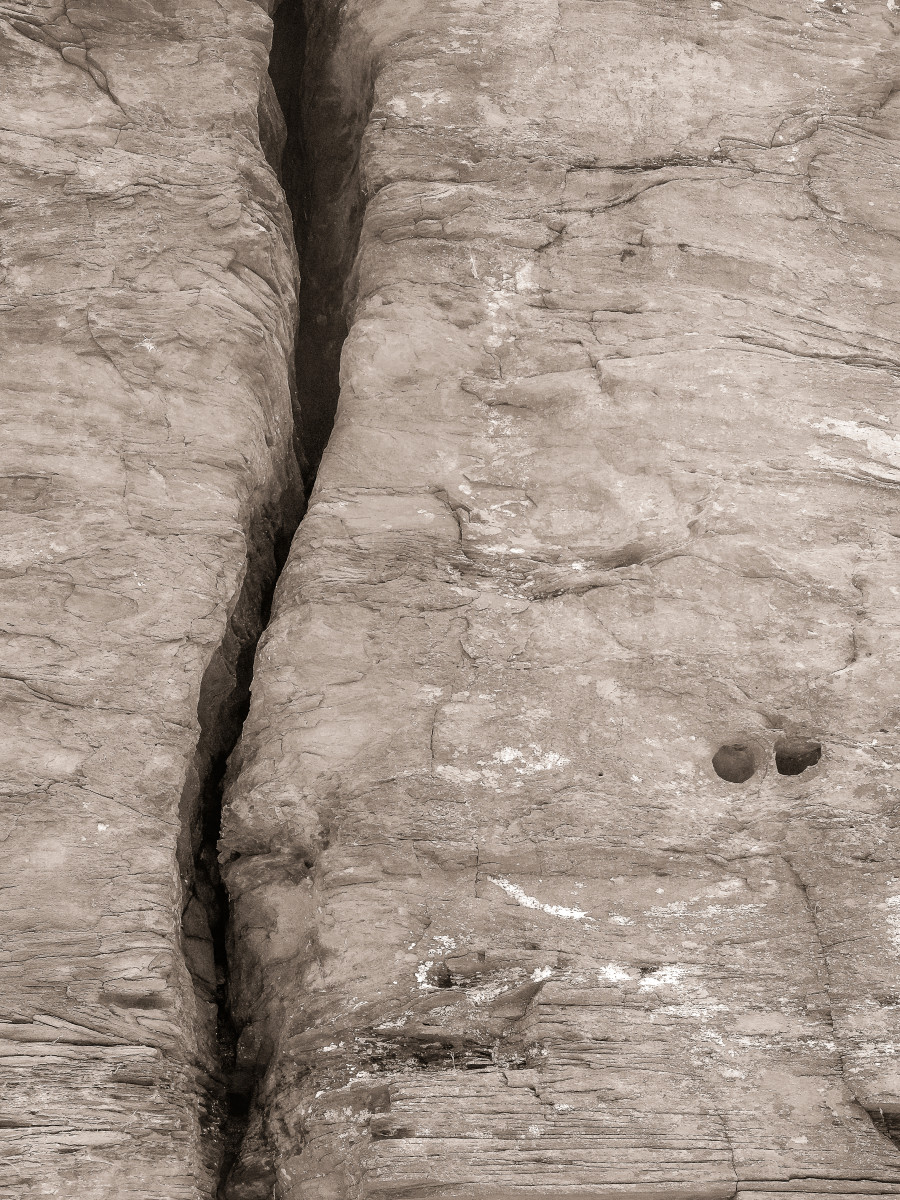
x=560 y=839
x=612 y=486
x=147 y=309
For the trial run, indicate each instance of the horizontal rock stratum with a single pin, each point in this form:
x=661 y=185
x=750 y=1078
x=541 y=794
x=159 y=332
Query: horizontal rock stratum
x=556 y=858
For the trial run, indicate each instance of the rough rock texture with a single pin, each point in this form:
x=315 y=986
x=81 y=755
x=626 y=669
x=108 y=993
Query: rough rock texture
x=611 y=498
x=147 y=305
x=613 y=485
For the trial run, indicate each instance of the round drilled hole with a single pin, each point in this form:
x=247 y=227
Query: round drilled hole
x=794 y=754
x=734 y=762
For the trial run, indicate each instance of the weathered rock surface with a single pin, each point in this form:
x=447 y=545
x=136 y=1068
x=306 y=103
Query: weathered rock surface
x=611 y=493
x=612 y=486
x=147 y=304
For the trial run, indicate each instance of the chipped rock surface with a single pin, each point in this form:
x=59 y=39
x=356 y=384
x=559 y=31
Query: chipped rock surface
x=613 y=485
x=147 y=279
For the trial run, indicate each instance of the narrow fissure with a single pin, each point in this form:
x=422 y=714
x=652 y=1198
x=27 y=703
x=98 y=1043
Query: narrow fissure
x=224 y=703
x=326 y=100
x=312 y=138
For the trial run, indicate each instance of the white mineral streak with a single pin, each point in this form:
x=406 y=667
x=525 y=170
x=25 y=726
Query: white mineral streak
x=552 y=910
x=613 y=973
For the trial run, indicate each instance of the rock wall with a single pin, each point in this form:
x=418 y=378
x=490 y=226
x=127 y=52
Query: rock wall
x=611 y=493
x=560 y=838
x=147 y=307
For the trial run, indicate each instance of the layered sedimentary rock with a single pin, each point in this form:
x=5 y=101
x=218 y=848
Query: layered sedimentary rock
x=560 y=839
x=147 y=307
x=611 y=494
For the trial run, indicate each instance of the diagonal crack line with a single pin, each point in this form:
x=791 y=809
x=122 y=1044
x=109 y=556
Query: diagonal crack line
x=824 y=965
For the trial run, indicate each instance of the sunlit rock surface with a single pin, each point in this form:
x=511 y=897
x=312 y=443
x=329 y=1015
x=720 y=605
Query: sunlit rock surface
x=147 y=305
x=613 y=486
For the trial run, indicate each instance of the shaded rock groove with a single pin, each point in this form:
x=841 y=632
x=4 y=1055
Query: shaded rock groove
x=313 y=145
x=319 y=170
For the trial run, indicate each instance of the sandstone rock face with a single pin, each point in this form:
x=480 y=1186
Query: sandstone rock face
x=560 y=839
x=612 y=489
x=147 y=305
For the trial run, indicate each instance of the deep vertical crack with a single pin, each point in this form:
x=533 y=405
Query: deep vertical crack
x=326 y=102
x=222 y=709
x=312 y=139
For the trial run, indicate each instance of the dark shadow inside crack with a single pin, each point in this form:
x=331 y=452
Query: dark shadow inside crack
x=222 y=708
x=312 y=138
x=326 y=100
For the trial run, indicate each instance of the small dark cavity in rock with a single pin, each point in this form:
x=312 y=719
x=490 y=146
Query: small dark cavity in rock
x=793 y=755
x=734 y=762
